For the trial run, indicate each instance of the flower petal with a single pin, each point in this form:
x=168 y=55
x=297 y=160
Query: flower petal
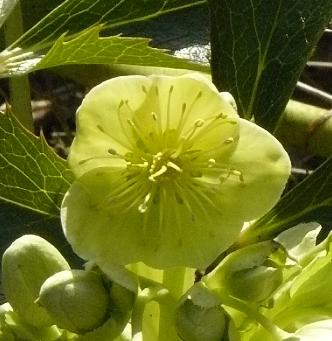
x=168 y=234
x=264 y=166
x=131 y=113
x=102 y=123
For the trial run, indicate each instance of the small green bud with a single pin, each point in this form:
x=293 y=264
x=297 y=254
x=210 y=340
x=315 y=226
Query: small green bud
x=248 y=273
x=200 y=316
x=254 y=284
x=77 y=300
x=26 y=264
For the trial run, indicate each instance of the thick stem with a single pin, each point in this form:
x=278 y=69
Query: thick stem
x=19 y=87
x=306 y=128
x=174 y=281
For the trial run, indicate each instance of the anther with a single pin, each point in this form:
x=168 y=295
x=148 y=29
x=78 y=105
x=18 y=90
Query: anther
x=237 y=173
x=211 y=162
x=199 y=123
x=221 y=116
x=174 y=166
x=144 y=205
x=229 y=140
x=154 y=116
x=161 y=171
x=112 y=151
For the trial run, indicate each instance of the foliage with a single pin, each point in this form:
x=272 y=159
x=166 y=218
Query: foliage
x=259 y=50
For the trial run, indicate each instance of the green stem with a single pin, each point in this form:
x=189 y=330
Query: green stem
x=19 y=87
x=244 y=307
x=306 y=128
x=154 y=293
x=174 y=281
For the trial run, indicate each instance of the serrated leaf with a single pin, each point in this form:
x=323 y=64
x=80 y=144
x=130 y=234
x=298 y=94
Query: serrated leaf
x=31 y=174
x=63 y=27
x=259 y=48
x=73 y=16
x=89 y=48
x=309 y=201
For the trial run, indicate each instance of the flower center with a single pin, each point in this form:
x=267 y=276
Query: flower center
x=171 y=158
x=163 y=168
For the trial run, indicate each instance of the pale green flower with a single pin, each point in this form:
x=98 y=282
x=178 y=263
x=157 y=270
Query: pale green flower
x=167 y=173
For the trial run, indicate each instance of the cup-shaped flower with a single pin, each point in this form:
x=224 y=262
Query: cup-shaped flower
x=166 y=172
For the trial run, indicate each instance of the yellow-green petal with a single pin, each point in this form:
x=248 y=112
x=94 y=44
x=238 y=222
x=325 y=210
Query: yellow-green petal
x=167 y=173
x=168 y=234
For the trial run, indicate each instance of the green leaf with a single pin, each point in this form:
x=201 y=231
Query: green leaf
x=6 y=6
x=33 y=181
x=89 y=48
x=74 y=15
x=309 y=201
x=259 y=48
x=31 y=174
x=63 y=28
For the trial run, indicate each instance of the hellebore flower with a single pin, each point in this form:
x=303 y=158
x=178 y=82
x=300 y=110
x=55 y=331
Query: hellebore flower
x=167 y=172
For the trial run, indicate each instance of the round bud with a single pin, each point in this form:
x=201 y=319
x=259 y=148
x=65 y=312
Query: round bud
x=26 y=264
x=200 y=316
x=249 y=273
x=77 y=300
x=254 y=284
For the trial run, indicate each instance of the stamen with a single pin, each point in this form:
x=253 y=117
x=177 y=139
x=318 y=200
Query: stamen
x=211 y=162
x=197 y=124
x=137 y=129
x=145 y=164
x=217 y=120
x=168 y=113
x=113 y=152
x=182 y=195
x=229 y=140
x=161 y=171
x=144 y=206
x=179 y=149
x=186 y=114
x=156 y=118
x=174 y=166
x=122 y=126
x=200 y=191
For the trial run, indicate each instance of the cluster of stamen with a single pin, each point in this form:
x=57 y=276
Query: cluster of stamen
x=181 y=164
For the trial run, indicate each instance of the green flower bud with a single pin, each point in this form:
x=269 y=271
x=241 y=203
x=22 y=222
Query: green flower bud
x=77 y=300
x=248 y=274
x=26 y=264
x=255 y=284
x=200 y=316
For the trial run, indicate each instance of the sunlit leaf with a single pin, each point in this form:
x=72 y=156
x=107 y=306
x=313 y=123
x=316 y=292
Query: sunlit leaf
x=33 y=181
x=259 y=48
x=31 y=174
x=89 y=48
x=309 y=201
x=72 y=16
x=72 y=30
